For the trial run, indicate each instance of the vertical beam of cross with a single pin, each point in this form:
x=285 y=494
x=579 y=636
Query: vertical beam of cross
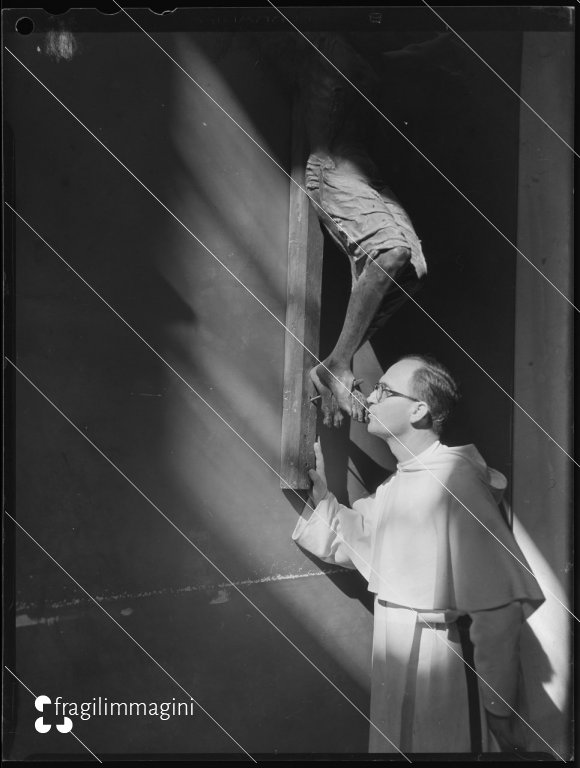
x=304 y=285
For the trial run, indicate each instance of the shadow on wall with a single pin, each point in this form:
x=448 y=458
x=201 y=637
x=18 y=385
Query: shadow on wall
x=534 y=698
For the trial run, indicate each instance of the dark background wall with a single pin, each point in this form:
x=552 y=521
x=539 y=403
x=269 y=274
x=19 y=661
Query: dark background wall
x=153 y=426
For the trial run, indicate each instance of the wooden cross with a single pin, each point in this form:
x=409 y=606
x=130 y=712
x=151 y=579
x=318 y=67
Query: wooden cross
x=305 y=245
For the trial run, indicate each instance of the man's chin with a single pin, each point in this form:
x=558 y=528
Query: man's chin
x=374 y=427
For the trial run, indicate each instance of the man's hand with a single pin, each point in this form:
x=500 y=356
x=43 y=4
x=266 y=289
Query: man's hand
x=318 y=477
x=503 y=730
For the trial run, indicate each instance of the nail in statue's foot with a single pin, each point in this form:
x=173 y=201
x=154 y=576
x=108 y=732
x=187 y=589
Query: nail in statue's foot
x=339 y=394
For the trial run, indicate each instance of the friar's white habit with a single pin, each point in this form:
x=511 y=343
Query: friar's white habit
x=421 y=543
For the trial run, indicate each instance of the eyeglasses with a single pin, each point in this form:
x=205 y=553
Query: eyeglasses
x=382 y=392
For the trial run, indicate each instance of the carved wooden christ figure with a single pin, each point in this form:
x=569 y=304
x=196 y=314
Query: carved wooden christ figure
x=359 y=211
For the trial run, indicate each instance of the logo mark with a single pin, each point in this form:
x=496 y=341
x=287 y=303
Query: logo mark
x=44 y=704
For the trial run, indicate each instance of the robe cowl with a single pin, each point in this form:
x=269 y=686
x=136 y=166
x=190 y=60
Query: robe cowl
x=440 y=541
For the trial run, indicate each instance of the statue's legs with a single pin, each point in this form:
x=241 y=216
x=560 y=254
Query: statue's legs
x=361 y=214
x=374 y=298
x=368 y=223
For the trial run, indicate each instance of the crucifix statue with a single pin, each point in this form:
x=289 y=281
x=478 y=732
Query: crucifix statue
x=334 y=160
x=360 y=213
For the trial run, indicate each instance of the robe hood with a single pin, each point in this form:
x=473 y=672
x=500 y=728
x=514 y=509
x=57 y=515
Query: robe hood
x=441 y=454
x=440 y=540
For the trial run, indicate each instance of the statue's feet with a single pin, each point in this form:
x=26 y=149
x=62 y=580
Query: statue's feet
x=339 y=394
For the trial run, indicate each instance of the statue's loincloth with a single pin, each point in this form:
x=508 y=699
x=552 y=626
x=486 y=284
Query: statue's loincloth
x=362 y=215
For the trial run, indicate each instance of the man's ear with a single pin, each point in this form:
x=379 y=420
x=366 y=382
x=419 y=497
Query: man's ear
x=420 y=414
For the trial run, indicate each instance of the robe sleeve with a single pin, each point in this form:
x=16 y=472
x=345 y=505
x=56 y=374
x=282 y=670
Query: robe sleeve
x=338 y=534
x=495 y=635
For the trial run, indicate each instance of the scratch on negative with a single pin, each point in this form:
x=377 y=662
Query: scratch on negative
x=23 y=608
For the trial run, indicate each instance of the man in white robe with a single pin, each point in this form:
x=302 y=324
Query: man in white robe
x=422 y=544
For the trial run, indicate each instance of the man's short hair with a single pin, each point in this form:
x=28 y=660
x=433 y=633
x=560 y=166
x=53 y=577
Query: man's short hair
x=435 y=385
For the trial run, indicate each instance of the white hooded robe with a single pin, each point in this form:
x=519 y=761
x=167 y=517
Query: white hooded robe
x=421 y=542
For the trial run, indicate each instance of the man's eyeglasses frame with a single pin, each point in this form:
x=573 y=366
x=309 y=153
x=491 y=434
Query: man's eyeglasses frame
x=383 y=392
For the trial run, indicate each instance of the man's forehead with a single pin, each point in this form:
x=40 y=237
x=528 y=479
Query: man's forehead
x=400 y=372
